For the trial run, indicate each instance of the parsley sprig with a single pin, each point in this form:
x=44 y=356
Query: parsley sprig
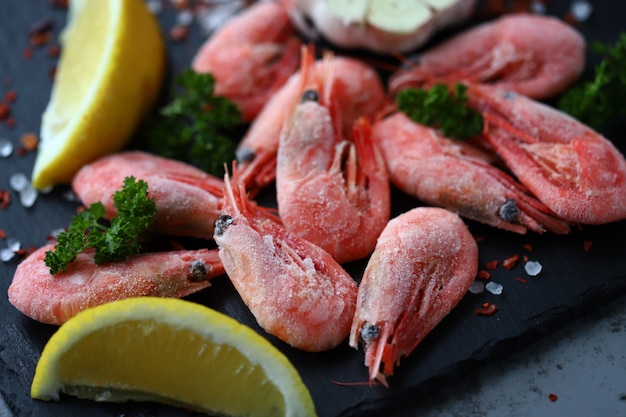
x=437 y=107
x=193 y=127
x=600 y=100
x=113 y=242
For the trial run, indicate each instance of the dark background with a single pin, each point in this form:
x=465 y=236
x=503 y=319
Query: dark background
x=573 y=281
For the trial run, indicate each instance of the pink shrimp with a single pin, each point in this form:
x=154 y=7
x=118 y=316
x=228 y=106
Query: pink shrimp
x=296 y=291
x=357 y=90
x=330 y=191
x=574 y=170
x=424 y=262
x=251 y=57
x=446 y=173
x=187 y=199
x=538 y=56
x=54 y=299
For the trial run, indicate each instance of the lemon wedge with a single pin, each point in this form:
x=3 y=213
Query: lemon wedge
x=109 y=75
x=170 y=351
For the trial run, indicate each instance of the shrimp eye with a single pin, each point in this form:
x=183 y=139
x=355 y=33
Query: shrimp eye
x=509 y=211
x=222 y=223
x=370 y=332
x=310 y=95
x=197 y=271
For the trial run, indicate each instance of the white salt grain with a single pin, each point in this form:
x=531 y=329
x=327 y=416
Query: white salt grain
x=213 y=18
x=477 y=287
x=28 y=196
x=184 y=17
x=532 y=268
x=8 y=253
x=18 y=181
x=538 y=7
x=494 y=288
x=581 y=10
x=154 y=6
x=6 y=147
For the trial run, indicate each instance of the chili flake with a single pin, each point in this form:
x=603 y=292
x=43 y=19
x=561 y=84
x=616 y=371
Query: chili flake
x=522 y=280
x=528 y=247
x=482 y=274
x=29 y=141
x=5 y=111
x=511 y=261
x=492 y=264
x=10 y=96
x=54 y=51
x=553 y=397
x=587 y=245
x=487 y=309
x=3 y=234
x=5 y=199
x=179 y=33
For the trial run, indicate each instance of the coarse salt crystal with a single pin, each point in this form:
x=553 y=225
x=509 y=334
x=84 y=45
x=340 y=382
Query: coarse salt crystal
x=214 y=17
x=154 y=6
x=18 y=181
x=581 y=10
x=538 y=7
x=6 y=147
x=28 y=196
x=8 y=253
x=477 y=287
x=533 y=268
x=494 y=288
x=185 y=17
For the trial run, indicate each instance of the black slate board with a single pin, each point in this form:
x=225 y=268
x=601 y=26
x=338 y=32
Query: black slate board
x=572 y=280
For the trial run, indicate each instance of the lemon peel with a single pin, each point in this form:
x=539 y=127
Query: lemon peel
x=170 y=351
x=109 y=75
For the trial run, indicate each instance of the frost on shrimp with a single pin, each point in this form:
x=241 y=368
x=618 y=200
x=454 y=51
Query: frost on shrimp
x=187 y=198
x=331 y=191
x=572 y=169
x=54 y=299
x=538 y=56
x=451 y=174
x=295 y=290
x=357 y=90
x=424 y=262
x=251 y=57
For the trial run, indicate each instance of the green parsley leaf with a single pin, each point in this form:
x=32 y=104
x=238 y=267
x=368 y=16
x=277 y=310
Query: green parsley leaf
x=441 y=109
x=598 y=101
x=193 y=127
x=135 y=213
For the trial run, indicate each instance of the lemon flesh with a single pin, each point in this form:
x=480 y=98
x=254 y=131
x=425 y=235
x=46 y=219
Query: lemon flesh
x=109 y=75
x=170 y=351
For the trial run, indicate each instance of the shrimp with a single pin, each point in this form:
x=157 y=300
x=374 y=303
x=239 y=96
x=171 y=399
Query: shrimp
x=251 y=57
x=450 y=174
x=538 y=56
x=54 y=299
x=187 y=199
x=571 y=168
x=424 y=262
x=330 y=191
x=296 y=290
x=357 y=91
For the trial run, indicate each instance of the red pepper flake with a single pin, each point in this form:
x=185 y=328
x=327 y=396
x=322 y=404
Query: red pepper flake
x=528 y=247
x=5 y=199
x=553 y=397
x=522 y=280
x=54 y=51
x=3 y=234
x=27 y=53
x=10 y=96
x=5 y=111
x=511 y=261
x=29 y=141
x=482 y=274
x=40 y=39
x=10 y=122
x=587 y=245
x=62 y=4
x=179 y=33
x=492 y=264
x=52 y=72
x=487 y=309
x=525 y=258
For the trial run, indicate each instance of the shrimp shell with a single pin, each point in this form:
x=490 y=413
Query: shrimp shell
x=54 y=299
x=424 y=262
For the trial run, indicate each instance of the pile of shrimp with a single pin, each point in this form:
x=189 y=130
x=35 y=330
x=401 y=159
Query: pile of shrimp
x=325 y=130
